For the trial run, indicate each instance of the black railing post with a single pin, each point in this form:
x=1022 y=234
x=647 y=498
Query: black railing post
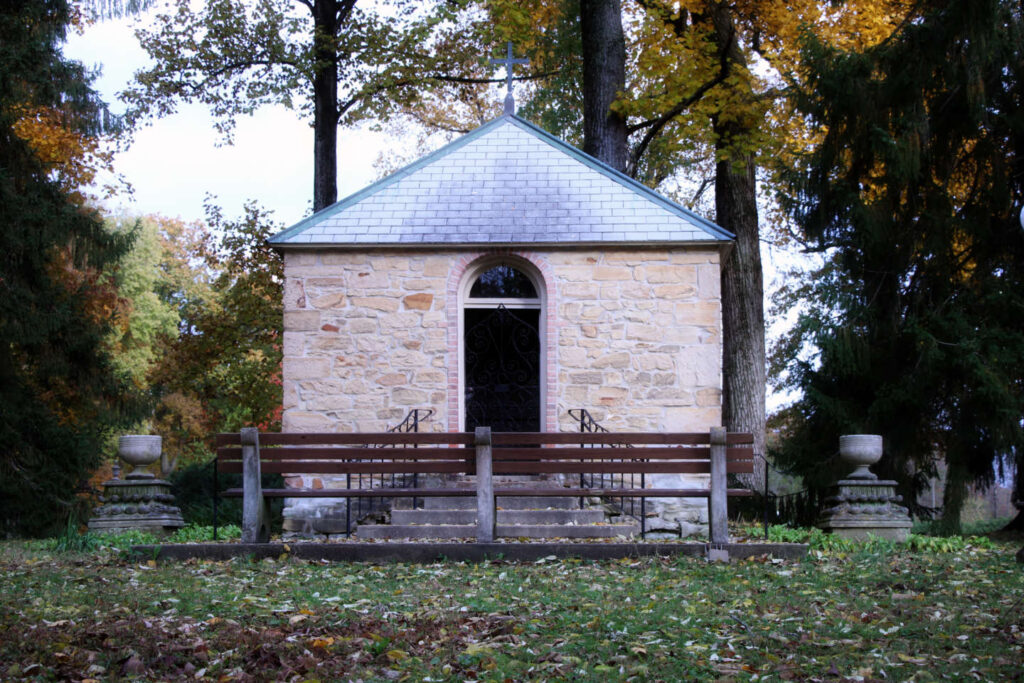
x=583 y=481
x=765 y=497
x=348 y=508
x=643 y=507
x=215 y=496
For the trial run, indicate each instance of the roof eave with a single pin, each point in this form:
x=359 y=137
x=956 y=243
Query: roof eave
x=637 y=244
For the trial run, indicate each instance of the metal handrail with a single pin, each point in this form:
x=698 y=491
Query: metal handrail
x=365 y=506
x=589 y=425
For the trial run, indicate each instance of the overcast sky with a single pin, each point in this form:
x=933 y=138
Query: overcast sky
x=175 y=162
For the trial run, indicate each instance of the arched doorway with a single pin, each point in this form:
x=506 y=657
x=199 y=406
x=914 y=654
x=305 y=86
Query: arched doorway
x=502 y=355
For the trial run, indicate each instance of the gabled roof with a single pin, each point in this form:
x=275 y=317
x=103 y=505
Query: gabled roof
x=506 y=183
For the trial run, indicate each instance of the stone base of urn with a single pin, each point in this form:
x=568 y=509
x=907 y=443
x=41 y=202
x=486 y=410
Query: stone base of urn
x=859 y=508
x=144 y=504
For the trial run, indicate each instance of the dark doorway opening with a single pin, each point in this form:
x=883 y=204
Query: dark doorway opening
x=502 y=369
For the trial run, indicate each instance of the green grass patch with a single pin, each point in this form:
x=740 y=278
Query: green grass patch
x=975 y=528
x=197 y=533
x=816 y=539
x=867 y=611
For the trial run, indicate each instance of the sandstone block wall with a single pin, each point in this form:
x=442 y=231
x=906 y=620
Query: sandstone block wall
x=637 y=338
x=364 y=341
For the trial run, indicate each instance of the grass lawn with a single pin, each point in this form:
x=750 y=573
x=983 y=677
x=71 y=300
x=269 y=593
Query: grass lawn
x=867 y=613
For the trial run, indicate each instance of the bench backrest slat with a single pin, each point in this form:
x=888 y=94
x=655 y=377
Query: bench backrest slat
x=340 y=467
x=352 y=453
x=612 y=438
x=653 y=453
x=355 y=439
x=513 y=453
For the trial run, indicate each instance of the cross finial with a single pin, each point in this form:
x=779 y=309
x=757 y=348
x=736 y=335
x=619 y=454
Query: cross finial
x=508 y=62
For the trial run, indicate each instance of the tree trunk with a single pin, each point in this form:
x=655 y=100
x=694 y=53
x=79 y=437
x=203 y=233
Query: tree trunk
x=954 y=494
x=604 y=77
x=743 y=362
x=1017 y=523
x=325 y=105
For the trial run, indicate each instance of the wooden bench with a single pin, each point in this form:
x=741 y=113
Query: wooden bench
x=251 y=454
x=557 y=456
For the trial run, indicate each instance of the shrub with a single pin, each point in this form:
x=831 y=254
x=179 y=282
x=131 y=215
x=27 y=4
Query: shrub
x=192 y=486
x=71 y=541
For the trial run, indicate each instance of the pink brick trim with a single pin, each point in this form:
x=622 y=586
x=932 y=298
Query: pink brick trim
x=466 y=262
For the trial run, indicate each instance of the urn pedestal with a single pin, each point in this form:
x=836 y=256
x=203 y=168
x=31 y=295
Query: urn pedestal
x=863 y=505
x=140 y=500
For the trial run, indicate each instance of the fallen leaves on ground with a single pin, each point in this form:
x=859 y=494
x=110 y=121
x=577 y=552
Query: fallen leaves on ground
x=855 y=616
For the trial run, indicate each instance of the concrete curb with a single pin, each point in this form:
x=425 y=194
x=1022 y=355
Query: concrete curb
x=465 y=552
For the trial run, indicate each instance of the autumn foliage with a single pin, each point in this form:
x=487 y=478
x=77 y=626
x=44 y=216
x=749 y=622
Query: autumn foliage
x=59 y=395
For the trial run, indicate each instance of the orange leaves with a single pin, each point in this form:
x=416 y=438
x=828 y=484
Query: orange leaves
x=73 y=158
x=101 y=300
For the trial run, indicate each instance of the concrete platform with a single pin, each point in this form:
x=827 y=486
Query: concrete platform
x=462 y=552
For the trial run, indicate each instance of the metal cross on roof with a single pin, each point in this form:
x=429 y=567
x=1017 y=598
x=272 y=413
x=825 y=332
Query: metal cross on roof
x=508 y=62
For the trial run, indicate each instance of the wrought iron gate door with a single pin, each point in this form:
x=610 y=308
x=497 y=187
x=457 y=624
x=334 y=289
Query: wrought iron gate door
x=502 y=356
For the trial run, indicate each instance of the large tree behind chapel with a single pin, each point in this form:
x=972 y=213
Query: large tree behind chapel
x=337 y=62
x=59 y=395
x=914 y=326
x=689 y=103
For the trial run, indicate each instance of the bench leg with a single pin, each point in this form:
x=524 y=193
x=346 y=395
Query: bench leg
x=255 y=521
x=718 y=510
x=484 y=487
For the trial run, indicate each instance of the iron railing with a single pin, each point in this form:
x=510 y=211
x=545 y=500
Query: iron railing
x=362 y=507
x=627 y=506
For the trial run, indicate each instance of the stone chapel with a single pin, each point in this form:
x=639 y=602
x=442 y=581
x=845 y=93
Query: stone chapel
x=503 y=280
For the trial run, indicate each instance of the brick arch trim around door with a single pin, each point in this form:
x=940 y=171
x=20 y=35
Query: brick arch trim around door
x=469 y=263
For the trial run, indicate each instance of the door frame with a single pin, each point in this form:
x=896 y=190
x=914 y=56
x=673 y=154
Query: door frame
x=540 y=304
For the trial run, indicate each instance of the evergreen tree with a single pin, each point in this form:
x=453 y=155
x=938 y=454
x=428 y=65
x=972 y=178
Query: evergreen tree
x=914 y=326
x=58 y=395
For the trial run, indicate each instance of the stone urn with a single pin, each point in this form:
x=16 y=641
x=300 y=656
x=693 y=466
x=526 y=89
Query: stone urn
x=140 y=451
x=140 y=500
x=862 y=505
x=861 y=451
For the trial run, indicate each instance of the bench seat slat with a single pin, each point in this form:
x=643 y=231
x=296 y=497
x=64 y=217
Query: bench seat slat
x=397 y=492
x=499 y=492
x=614 y=493
x=654 y=467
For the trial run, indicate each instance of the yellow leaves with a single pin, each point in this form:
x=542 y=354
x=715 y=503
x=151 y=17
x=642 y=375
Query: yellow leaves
x=396 y=655
x=478 y=649
x=321 y=643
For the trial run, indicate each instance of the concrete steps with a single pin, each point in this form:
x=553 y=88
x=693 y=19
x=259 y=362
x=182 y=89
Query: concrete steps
x=464 y=517
x=424 y=531
x=504 y=503
x=517 y=517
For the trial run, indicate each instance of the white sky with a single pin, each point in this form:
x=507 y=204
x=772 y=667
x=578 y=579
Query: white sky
x=176 y=161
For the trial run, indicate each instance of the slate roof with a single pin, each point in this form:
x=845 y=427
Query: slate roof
x=506 y=183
